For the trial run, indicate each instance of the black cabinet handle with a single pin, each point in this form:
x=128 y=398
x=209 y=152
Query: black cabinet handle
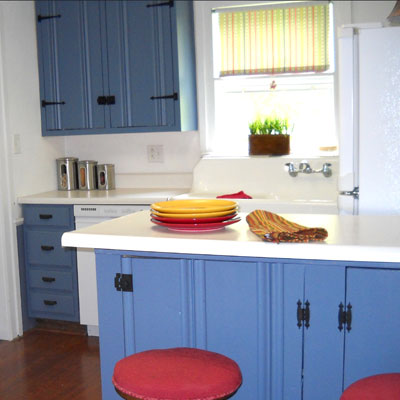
x=169 y=3
x=170 y=96
x=40 y=18
x=49 y=302
x=303 y=314
x=51 y=103
x=299 y=314
x=47 y=248
x=48 y=279
x=102 y=100
x=45 y=216
x=341 y=317
x=345 y=317
x=105 y=100
x=307 y=314
x=349 y=317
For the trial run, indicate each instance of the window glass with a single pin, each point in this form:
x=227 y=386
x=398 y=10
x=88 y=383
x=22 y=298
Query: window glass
x=306 y=99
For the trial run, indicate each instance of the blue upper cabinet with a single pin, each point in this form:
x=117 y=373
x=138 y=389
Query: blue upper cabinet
x=70 y=49
x=116 y=66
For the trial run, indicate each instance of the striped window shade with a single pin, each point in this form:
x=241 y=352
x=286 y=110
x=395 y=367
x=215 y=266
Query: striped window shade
x=275 y=40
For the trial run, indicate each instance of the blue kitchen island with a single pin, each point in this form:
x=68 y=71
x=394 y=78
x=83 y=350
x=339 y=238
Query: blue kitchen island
x=302 y=320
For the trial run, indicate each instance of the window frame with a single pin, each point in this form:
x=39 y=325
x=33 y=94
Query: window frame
x=205 y=66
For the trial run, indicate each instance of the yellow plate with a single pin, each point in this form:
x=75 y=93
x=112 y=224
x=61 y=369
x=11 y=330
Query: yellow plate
x=194 y=206
x=194 y=215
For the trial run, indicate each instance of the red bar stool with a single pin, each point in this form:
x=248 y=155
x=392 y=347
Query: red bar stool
x=176 y=374
x=376 y=387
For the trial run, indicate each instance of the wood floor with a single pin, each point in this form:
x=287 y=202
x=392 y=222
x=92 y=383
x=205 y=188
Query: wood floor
x=45 y=365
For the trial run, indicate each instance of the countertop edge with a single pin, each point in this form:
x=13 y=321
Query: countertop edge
x=305 y=251
x=116 y=196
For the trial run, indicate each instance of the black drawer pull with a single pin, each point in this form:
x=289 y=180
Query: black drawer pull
x=45 y=216
x=48 y=279
x=49 y=302
x=47 y=248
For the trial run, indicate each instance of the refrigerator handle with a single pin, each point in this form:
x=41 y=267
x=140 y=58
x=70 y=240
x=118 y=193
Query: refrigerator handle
x=355 y=192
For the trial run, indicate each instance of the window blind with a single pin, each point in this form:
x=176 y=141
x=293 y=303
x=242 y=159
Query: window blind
x=274 y=40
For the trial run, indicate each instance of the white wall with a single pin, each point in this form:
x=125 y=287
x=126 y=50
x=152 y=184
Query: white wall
x=371 y=11
x=129 y=154
x=34 y=167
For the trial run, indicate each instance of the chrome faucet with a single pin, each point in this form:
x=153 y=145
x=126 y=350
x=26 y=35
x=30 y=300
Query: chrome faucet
x=305 y=168
x=292 y=169
x=326 y=170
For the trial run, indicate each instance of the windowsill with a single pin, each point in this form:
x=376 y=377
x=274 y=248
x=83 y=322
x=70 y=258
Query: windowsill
x=322 y=155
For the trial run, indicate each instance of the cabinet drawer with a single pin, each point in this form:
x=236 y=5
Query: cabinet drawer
x=45 y=248
x=51 y=303
x=44 y=215
x=47 y=279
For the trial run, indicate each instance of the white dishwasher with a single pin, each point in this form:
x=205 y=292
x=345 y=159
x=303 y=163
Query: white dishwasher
x=87 y=215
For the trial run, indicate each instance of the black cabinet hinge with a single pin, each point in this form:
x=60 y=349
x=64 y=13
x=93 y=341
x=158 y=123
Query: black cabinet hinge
x=169 y=96
x=40 y=18
x=105 y=100
x=123 y=282
x=303 y=314
x=51 y=103
x=169 y=3
x=345 y=317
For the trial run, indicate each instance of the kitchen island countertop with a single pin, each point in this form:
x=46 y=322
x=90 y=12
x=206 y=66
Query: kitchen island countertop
x=115 y=196
x=350 y=238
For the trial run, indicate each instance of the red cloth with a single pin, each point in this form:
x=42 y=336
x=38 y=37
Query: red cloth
x=377 y=387
x=177 y=374
x=238 y=195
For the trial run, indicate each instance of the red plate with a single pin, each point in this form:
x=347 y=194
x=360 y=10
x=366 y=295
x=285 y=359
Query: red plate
x=192 y=220
x=196 y=227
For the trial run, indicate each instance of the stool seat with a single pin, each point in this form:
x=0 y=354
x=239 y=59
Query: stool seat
x=177 y=374
x=376 y=387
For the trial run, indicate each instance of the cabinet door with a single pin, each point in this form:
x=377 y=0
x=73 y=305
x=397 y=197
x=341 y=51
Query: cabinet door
x=70 y=65
x=313 y=355
x=156 y=314
x=140 y=64
x=323 y=341
x=372 y=345
x=231 y=318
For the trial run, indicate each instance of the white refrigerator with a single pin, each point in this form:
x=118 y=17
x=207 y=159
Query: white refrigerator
x=369 y=120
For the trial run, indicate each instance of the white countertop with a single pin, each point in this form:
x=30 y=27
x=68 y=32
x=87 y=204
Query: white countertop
x=116 y=196
x=350 y=238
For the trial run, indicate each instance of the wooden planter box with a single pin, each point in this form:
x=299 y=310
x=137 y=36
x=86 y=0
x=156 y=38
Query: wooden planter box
x=274 y=145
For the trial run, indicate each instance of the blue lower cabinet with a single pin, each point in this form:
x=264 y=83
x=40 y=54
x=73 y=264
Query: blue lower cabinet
x=50 y=269
x=372 y=343
x=51 y=279
x=311 y=299
x=292 y=327
x=231 y=312
x=47 y=305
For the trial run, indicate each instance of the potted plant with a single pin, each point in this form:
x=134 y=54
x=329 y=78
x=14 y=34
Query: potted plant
x=269 y=137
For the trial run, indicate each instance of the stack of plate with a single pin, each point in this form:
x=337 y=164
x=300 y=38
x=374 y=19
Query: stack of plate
x=195 y=215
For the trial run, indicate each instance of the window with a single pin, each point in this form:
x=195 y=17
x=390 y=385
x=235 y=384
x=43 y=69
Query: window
x=271 y=59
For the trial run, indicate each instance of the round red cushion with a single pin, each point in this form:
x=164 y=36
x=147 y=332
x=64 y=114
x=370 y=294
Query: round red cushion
x=377 y=387
x=178 y=373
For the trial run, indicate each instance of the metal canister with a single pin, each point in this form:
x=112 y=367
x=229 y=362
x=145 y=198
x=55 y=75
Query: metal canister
x=67 y=173
x=87 y=174
x=106 y=176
